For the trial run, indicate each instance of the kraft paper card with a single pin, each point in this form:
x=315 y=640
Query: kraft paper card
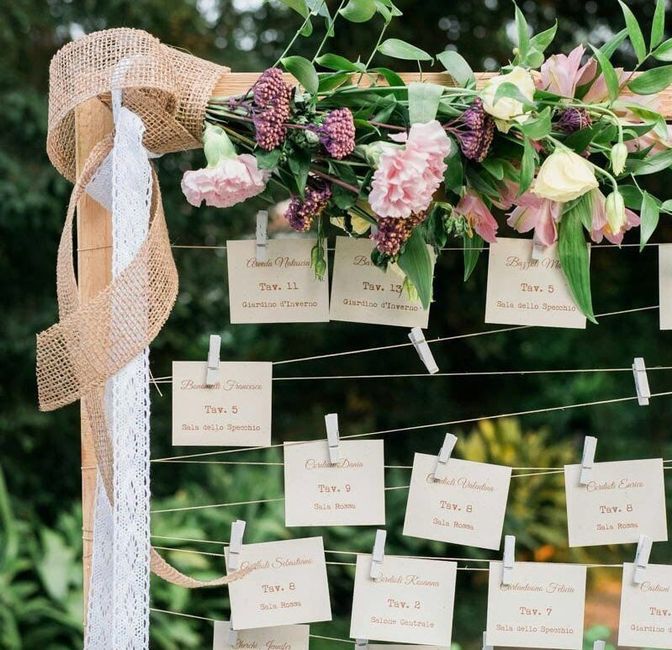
x=524 y=291
x=465 y=507
x=665 y=285
x=412 y=602
x=288 y=585
x=622 y=501
x=286 y=637
x=646 y=609
x=542 y=608
x=234 y=412
x=283 y=289
x=348 y=493
x=363 y=293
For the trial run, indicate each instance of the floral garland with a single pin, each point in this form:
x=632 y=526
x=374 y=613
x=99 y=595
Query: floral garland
x=556 y=143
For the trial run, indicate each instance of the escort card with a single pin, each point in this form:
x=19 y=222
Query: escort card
x=465 y=507
x=288 y=585
x=348 y=493
x=387 y=646
x=363 y=293
x=283 y=289
x=665 y=285
x=542 y=607
x=412 y=602
x=286 y=637
x=235 y=411
x=524 y=291
x=622 y=501
x=646 y=609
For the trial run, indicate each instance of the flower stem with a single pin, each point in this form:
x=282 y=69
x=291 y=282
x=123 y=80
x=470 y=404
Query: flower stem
x=335 y=181
x=298 y=32
x=329 y=31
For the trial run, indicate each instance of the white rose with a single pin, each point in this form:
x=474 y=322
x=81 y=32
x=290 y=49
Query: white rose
x=564 y=176
x=507 y=108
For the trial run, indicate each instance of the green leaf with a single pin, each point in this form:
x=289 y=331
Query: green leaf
x=634 y=32
x=613 y=44
x=649 y=219
x=527 y=166
x=304 y=72
x=610 y=76
x=457 y=67
x=539 y=127
x=343 y=198
x=543 y=39
x=573 y=254
x=329 y=81
x=511 y=91
x=299 y=6
x=392 y=78
x=416 y=262
x=664 y=51
x=398 y=49
x=495 y=167
x=472 y=252
x=658 y=24
x=651 y=164
x=632 y=196
x=339 y=63
x=268 y=159
x=453 y=177
x=299 y=164
x=652 y=81
x=522 y=33
x=423 y=101
x=359 y=11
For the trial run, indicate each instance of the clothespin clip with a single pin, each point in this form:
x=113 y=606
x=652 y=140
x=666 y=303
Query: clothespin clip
x=588 y=459
x=231 y=636
x=509 y=559
x=361 y=643
x=642 y=558
x=421 y=346
x=212 y=372
x=236 y=544
x=444 y=456
x=537 y=250
x=378 y=555
x=485 y=642
x=262 y=235
x=333 y=437
x=599 y=645
x=641 y=381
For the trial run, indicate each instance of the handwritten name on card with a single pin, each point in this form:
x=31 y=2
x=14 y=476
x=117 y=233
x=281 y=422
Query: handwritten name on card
x=465 y=507
x=412 y=602
x=285 y=637
x=646 y=608
x=235 y=411
x=665 y=285
x=348 y=493
x=622 y=501
x=542 y=608
x=524 y=291
x=363 y=293
x=288 y=585
x=283 y=289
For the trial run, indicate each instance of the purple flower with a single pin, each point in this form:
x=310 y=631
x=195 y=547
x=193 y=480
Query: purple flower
x=270 y=109
x=392 y=233
x=573 y=119
x=302 y=211
x=475 y=132
x=337 y=133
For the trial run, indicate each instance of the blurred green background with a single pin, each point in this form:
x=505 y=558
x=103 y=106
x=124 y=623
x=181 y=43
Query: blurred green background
x=40 y=527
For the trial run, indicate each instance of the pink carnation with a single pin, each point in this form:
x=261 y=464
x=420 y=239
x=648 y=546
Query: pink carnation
x=229 y=182
x=407 y=178
x=472 y=208
x=532 y=212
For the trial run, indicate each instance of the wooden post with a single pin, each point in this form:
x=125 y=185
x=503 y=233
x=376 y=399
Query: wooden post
x=93 y=120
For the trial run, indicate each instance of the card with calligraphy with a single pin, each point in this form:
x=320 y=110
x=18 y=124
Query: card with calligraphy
x=363 y=293
x=412 y=602
x=543 y=606
x=646 y=608
x=621 y=501
x=466 y=506
x=234 y=412
x=526 y=291
x=665 y=285
x=285 y=637
x=288 y=585
x=283 y=289
x=350 y=492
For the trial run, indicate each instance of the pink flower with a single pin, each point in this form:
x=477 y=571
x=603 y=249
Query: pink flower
x=507 y=197
x=651 y=139
x=406 y=178
x=561 y=73
x=472 y=208
x=598 y=90
x=533 y=212
x=230 y=181
x=600 y=226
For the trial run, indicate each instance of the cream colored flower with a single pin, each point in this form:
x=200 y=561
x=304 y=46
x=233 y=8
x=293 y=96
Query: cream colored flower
x=564 y=176
x=507 y=108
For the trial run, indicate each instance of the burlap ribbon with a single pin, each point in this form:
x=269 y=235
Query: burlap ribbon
x=169 y=90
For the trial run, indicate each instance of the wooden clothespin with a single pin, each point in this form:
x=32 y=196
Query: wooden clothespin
x=444 y=456
x=485 y=642
x=231 y=636
x=421 y=346
x=212 y=372
x=641 y=381
x=262 y=236
x=588 y=459
x=642 y=558
x=378 y=555
x=509 y=560
x=236 y=544
x=333 y=437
